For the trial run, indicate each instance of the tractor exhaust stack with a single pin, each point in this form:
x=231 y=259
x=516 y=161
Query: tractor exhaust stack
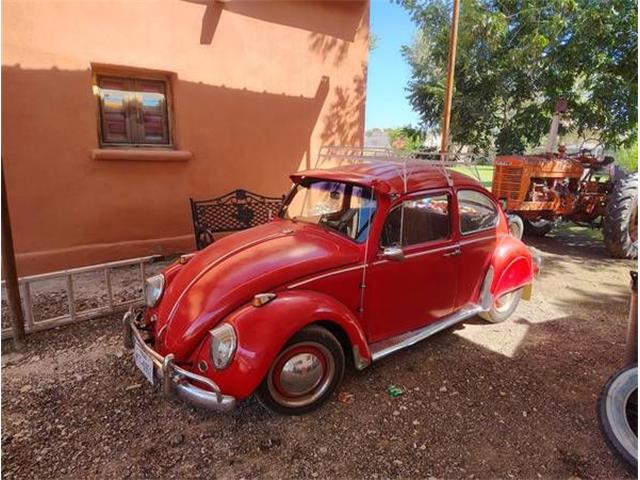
x=552 y=140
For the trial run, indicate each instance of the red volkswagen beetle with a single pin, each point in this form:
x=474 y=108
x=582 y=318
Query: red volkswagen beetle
x=362 y=261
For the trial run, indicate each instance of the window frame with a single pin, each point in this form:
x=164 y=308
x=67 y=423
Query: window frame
x=417 y=196
x=129 y=75
x=495 y=206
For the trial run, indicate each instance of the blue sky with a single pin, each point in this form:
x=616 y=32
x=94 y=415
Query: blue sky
x=389 y=72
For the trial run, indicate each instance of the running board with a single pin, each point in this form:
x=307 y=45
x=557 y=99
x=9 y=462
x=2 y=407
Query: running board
x=386 y=347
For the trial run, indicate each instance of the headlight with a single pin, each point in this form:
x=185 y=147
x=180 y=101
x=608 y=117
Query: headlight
x=153 y=288
x=223 y=345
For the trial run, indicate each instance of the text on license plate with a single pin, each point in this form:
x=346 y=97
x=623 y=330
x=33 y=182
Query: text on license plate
x=143 y=362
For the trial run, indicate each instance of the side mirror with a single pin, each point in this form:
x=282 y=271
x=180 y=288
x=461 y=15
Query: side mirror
x=393 y=253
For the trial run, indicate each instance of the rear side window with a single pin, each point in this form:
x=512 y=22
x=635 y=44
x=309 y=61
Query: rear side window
x=477 y=211
x=416 y=221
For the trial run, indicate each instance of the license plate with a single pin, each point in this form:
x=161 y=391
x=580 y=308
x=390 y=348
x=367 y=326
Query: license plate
x=143 y=362
x=527 y=292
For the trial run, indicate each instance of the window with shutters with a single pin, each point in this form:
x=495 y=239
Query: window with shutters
x=133 y=111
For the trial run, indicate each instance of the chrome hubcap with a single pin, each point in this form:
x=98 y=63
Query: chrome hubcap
x=301 y=374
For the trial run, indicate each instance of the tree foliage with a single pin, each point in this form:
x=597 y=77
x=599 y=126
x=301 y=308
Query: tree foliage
x=516 y=58
x=406 y=138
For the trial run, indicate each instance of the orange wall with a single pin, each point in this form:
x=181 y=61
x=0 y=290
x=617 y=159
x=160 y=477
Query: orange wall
x=257 y=87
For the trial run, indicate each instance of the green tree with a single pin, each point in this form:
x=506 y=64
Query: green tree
x=516 y=58
x=407 y=138
x=628 y=157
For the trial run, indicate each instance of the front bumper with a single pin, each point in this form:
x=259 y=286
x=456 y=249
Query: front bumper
x=176 y=380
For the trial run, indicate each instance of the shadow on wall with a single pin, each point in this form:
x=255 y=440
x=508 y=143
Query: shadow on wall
x=344 y=120
x=318 y=17
x=61 y=198
x=259 y=136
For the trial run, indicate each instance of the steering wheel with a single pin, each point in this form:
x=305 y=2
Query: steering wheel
x=592 y=147
x=341 y=224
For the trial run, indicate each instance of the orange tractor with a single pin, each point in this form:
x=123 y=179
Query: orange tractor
x=538 y=190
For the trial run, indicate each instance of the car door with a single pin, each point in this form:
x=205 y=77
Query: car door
x=477 y=220
x=412 y=280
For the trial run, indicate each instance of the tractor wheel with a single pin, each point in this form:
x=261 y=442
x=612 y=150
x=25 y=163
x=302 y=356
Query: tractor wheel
x=621 y=218
x=537 y=228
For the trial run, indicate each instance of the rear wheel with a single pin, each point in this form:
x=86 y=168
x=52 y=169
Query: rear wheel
x=537 y=228
x=621 y=218
x=618 y=415
x=503 y=307
x=304 y=374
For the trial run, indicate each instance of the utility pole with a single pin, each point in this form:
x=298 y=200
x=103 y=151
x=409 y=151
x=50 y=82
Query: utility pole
x=11 y=273
x=451 y=67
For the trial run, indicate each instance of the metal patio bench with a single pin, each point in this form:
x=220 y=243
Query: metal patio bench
x=236 y=210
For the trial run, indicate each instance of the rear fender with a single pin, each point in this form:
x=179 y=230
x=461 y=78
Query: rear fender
x=512 y=265
x=263 y=331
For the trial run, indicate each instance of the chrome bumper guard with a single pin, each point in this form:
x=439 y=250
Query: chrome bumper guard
x=175 y=379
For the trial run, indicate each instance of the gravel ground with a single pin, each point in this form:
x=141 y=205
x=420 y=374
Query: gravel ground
x=515 y=400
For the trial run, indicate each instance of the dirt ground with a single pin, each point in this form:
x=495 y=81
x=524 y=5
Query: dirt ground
x=515 y=400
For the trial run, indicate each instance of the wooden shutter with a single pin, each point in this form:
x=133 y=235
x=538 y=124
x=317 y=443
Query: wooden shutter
x=133 y=111
x=152 y=115
x=115 y=110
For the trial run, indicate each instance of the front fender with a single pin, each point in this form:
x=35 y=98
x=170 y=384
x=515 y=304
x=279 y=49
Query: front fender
x=513 y=266
x=263 y=331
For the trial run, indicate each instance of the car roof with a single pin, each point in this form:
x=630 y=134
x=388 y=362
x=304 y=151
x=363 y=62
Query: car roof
x=389 y=177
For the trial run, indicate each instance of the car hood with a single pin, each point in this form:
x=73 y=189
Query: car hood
x=229 y=272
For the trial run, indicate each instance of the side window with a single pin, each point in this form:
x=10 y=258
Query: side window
x=477 y=211
x=415 y=221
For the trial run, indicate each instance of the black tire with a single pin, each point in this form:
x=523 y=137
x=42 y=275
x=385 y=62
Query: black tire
x=314 y=342
x=618 y=415
x=500 y=312
x=516 y=226
x=537 y=228
x=620 y=225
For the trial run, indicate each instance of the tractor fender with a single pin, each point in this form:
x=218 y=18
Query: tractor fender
x=512 y=265
x=262 y=332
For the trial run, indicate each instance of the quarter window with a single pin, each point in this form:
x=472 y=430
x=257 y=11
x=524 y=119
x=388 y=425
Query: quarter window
x=133 y=111
x=477 y=211
x=416 y=221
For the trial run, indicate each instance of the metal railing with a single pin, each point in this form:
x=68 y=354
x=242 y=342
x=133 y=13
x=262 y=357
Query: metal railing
x=356 y=155
x=338 y=155
x=74 y=315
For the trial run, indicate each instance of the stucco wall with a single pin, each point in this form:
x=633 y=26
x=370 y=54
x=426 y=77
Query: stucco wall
x=257 y=88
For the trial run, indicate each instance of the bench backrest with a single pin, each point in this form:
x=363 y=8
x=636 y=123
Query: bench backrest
x=237 y=210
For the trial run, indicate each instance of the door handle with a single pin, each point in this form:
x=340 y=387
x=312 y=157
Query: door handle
x=455 y=253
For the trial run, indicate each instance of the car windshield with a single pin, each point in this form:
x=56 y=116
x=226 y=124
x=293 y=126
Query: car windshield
x=344 y=208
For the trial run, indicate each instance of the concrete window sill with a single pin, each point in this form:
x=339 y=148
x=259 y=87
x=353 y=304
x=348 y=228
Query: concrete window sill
x=141 y=155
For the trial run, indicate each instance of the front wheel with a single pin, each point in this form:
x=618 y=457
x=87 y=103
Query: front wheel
x=538 y=228
x=516 y=227
x=304 y=374
x=503 y=307
x=618 y=415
